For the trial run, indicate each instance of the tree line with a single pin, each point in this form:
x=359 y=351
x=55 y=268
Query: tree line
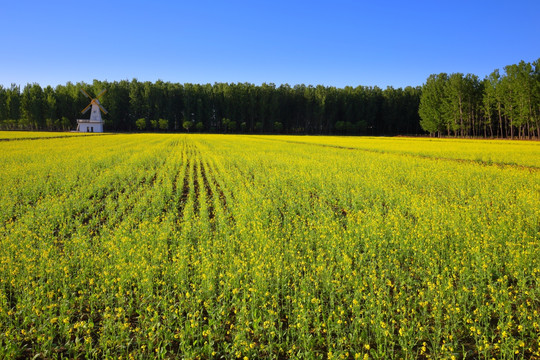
x=502 y=105
x=221 y=108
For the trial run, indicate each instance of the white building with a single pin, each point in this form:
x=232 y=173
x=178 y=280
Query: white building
x=85 y=125
x=95 y=123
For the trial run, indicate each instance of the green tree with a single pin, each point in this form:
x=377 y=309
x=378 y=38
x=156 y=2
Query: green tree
x=4 y=108
x=432 y=117
x=67 y=103
x=493 y=97
x=141 y=124
x=259 y=127
x=231 y=126
x=118 y=103
x=32 y=104
x=50 y=108
x=488 y=105
x=340 y=127
x=13 y=102
x=163 y=124
x=187 y=125
x=137 y=103
x=536 y=97
x=225 y=124
x=453 y=104
x=65 y=123
x=520 y=96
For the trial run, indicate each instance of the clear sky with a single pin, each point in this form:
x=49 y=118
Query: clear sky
x=333 y=43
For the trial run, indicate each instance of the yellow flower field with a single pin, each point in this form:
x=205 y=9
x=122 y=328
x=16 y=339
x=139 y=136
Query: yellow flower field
x=499 y=152
x=31 y=135
x=213 y=246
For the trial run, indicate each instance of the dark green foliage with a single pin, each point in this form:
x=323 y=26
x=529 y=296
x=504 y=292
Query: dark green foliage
x=33 y=106
x=225 y=108
x=141 y=124
x=163 y=124
x=278 y=127
x=4 y=110
x=187 y=125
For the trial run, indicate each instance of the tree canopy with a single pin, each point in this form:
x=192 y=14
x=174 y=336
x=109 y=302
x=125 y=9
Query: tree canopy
x=219 y=108
x=506 y=105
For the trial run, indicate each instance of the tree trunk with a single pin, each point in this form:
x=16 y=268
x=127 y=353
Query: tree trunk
x=511 y=128
x=461 y=118
x=500 y=118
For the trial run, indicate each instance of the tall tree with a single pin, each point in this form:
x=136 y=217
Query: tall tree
x=14 y=102
x=50 y=109
x=32 y=105
x=4 y=109
x=432 y=105
x=138 y=106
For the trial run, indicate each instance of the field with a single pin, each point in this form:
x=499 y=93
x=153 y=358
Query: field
x=249 y=247
x=34 y=135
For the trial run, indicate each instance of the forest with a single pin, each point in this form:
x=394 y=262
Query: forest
x=504 y=105
x=218 y=108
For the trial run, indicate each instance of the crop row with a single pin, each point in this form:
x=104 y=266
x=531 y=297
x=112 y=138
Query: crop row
x=485 y=152
x=167 y=246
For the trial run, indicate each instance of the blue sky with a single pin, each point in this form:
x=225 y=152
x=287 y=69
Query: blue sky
x=333 y=43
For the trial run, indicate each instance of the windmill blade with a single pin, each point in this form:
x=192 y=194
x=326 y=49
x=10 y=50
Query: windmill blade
x=101 y=93
x=86 y=94
x=102 y=109
x=86 y=108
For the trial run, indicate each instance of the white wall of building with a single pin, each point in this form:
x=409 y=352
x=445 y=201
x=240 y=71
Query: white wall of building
x=90 y=127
